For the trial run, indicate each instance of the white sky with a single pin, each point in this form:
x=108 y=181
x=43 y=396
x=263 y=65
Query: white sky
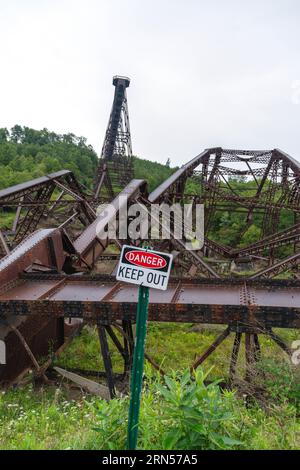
x=203 y=73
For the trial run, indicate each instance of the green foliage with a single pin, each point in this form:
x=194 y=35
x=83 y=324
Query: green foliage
x=179 y=414
x=154 y=173
x=170 y=345
x=281 y=381
x=230 y=227
x=251 y=235
x=196 y=415
x=46 y=418
x=175 y=413
x=26 y=154
x=112 y=424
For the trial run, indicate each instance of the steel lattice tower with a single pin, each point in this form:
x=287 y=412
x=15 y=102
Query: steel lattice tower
x=115 y=168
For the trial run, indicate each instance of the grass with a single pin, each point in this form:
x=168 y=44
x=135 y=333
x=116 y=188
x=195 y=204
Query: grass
x=60 y=417
x=45 y=419
x=174 y=346
x=6 y=219
x=49 y=419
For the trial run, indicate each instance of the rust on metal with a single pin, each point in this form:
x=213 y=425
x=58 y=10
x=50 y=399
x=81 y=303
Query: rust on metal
x=98 y=298
x=47 y=256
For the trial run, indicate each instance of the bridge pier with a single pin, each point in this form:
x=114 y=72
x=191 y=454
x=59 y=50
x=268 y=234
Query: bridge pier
x=126 y=350
x=107 y=360
x=234 y=355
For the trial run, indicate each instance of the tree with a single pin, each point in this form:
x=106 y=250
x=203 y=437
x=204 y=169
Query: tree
x=17 y=134
x=4 y=135
x=28 y=153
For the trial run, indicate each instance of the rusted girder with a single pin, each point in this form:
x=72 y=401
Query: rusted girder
x=89 y=245
x=249 y=307
x=240 y=304
x=275 y=191
x=44 y=201
x=278 y=267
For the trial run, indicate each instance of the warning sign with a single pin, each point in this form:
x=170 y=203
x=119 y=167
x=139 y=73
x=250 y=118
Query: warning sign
x=144 y=267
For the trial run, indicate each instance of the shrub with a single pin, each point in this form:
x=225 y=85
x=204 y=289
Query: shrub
x=196 y=415
x=179 y=414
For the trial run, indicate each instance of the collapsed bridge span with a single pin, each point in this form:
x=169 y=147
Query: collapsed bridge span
x=49 y=256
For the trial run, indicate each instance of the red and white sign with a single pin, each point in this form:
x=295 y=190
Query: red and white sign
x=144 y=267
x=146 y=259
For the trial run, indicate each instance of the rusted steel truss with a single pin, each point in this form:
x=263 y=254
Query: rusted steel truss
x=272 y=183
x=91 y=244
x=53 y=200
x=247 y=307
x=256 y=305
x=250 y=308
x=115 y=169
x=38 y=291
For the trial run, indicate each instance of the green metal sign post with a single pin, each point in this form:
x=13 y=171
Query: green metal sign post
x=146 y=268
x=138 y=367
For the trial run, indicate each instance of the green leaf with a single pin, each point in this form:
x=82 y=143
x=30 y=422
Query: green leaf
x=185 y=379
x=229 y=441
x=192 y=412
x=167 y=394
x=171 y=439
x=171 y=384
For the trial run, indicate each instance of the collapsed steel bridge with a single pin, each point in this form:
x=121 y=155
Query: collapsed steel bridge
x=48 y=274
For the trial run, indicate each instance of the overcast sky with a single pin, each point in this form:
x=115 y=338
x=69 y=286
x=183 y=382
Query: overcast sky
x=203 y=73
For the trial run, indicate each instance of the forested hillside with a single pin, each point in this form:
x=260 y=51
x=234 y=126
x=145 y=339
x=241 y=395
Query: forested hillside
x=154 y=173
x=27 y=153
x=61 y=417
